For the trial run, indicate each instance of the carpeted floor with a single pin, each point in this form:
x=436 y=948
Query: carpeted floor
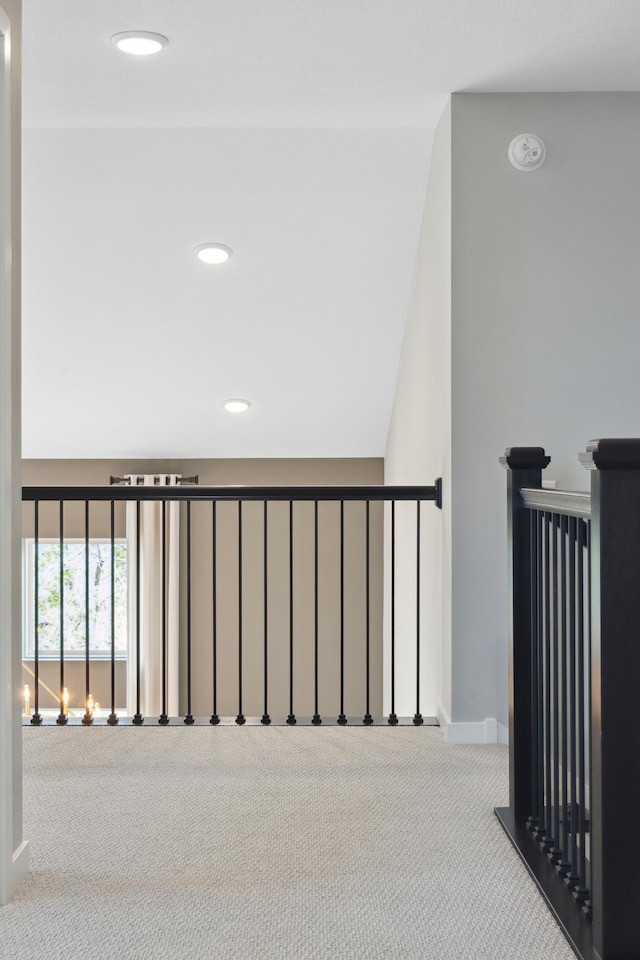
x=270 y=844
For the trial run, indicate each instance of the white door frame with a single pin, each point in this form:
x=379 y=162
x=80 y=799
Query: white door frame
x=14 y=851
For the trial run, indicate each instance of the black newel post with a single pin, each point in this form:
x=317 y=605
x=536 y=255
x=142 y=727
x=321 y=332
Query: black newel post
x=524 y=467
x=615 y=694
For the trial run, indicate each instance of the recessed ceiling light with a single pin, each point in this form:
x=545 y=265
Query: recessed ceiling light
x=213 y=252
x=236 y=406
x=139 y=42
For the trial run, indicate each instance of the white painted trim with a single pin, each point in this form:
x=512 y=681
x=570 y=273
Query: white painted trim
x=6 y=507
x=21 y=863
x=471 y=731
x=14 y=852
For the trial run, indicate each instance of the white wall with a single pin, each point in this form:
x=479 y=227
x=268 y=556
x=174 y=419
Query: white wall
x=542 y=271
x=418 y=451
x=14 y=854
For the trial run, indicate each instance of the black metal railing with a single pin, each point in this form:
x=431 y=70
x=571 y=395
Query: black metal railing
x=559 y=535
x=270 y=553
x=574 y=680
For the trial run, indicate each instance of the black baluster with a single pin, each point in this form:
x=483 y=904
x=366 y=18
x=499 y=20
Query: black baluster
x=316 y=719
x=266 y=719
x=590 y=819
x=554 y=852
x=291 y=719
x=164 y=718
x=563 y=866
x=88 y=715
x=214 y=719
x=189 y=719
x=548 y=825
x=63 y=715
x=539 y=828
x=418 y=716
x=138 y=718
x=392 y=716
x=581 y=892
x=572 y=879
x=113 y=718
x=36 y=719
x=368 y=719
x=240 y=719
x=534 y=820
x=539 y=727
x=342 y=718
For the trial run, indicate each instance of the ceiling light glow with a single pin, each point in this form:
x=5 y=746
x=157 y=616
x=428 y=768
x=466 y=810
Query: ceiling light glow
x=236 y=406
x=213 y=252
x=139 y=42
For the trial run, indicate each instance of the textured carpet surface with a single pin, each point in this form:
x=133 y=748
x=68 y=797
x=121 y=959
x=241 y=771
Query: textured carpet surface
x=278 y=844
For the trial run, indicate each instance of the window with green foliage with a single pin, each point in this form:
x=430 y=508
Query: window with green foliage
x=78 y=563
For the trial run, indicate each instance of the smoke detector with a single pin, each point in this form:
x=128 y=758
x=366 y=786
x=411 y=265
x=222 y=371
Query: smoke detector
x=526 y=152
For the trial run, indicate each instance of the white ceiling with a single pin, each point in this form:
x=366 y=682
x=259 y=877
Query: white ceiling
x=297 y=133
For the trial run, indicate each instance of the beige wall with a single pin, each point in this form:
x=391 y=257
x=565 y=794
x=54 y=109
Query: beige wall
x=275 y=472
x=74 y=679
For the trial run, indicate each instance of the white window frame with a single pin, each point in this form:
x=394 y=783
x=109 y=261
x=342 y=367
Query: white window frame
x=28 y=603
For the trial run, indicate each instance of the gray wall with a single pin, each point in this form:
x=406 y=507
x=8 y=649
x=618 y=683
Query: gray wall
x=245 y=471
x=545 y=330
x=545 y=339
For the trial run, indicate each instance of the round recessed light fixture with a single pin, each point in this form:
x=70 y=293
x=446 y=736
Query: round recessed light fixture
x=139 y=42
x=236 y=406
x=526 y=152
x=213 y=252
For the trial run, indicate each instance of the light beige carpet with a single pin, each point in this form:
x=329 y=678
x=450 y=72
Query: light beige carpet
x=270 y=844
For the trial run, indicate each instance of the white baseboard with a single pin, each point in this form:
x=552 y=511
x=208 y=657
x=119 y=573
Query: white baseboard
x=17 y=872
x=471 y=731
x=21 y=860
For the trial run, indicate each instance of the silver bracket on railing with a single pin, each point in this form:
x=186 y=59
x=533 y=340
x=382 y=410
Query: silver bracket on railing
x=195 y=479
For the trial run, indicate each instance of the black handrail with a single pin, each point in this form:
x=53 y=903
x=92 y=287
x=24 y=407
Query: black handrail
x=234 y=493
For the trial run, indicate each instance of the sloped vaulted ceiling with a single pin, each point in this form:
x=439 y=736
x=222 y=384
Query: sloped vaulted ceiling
x=296 y=133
